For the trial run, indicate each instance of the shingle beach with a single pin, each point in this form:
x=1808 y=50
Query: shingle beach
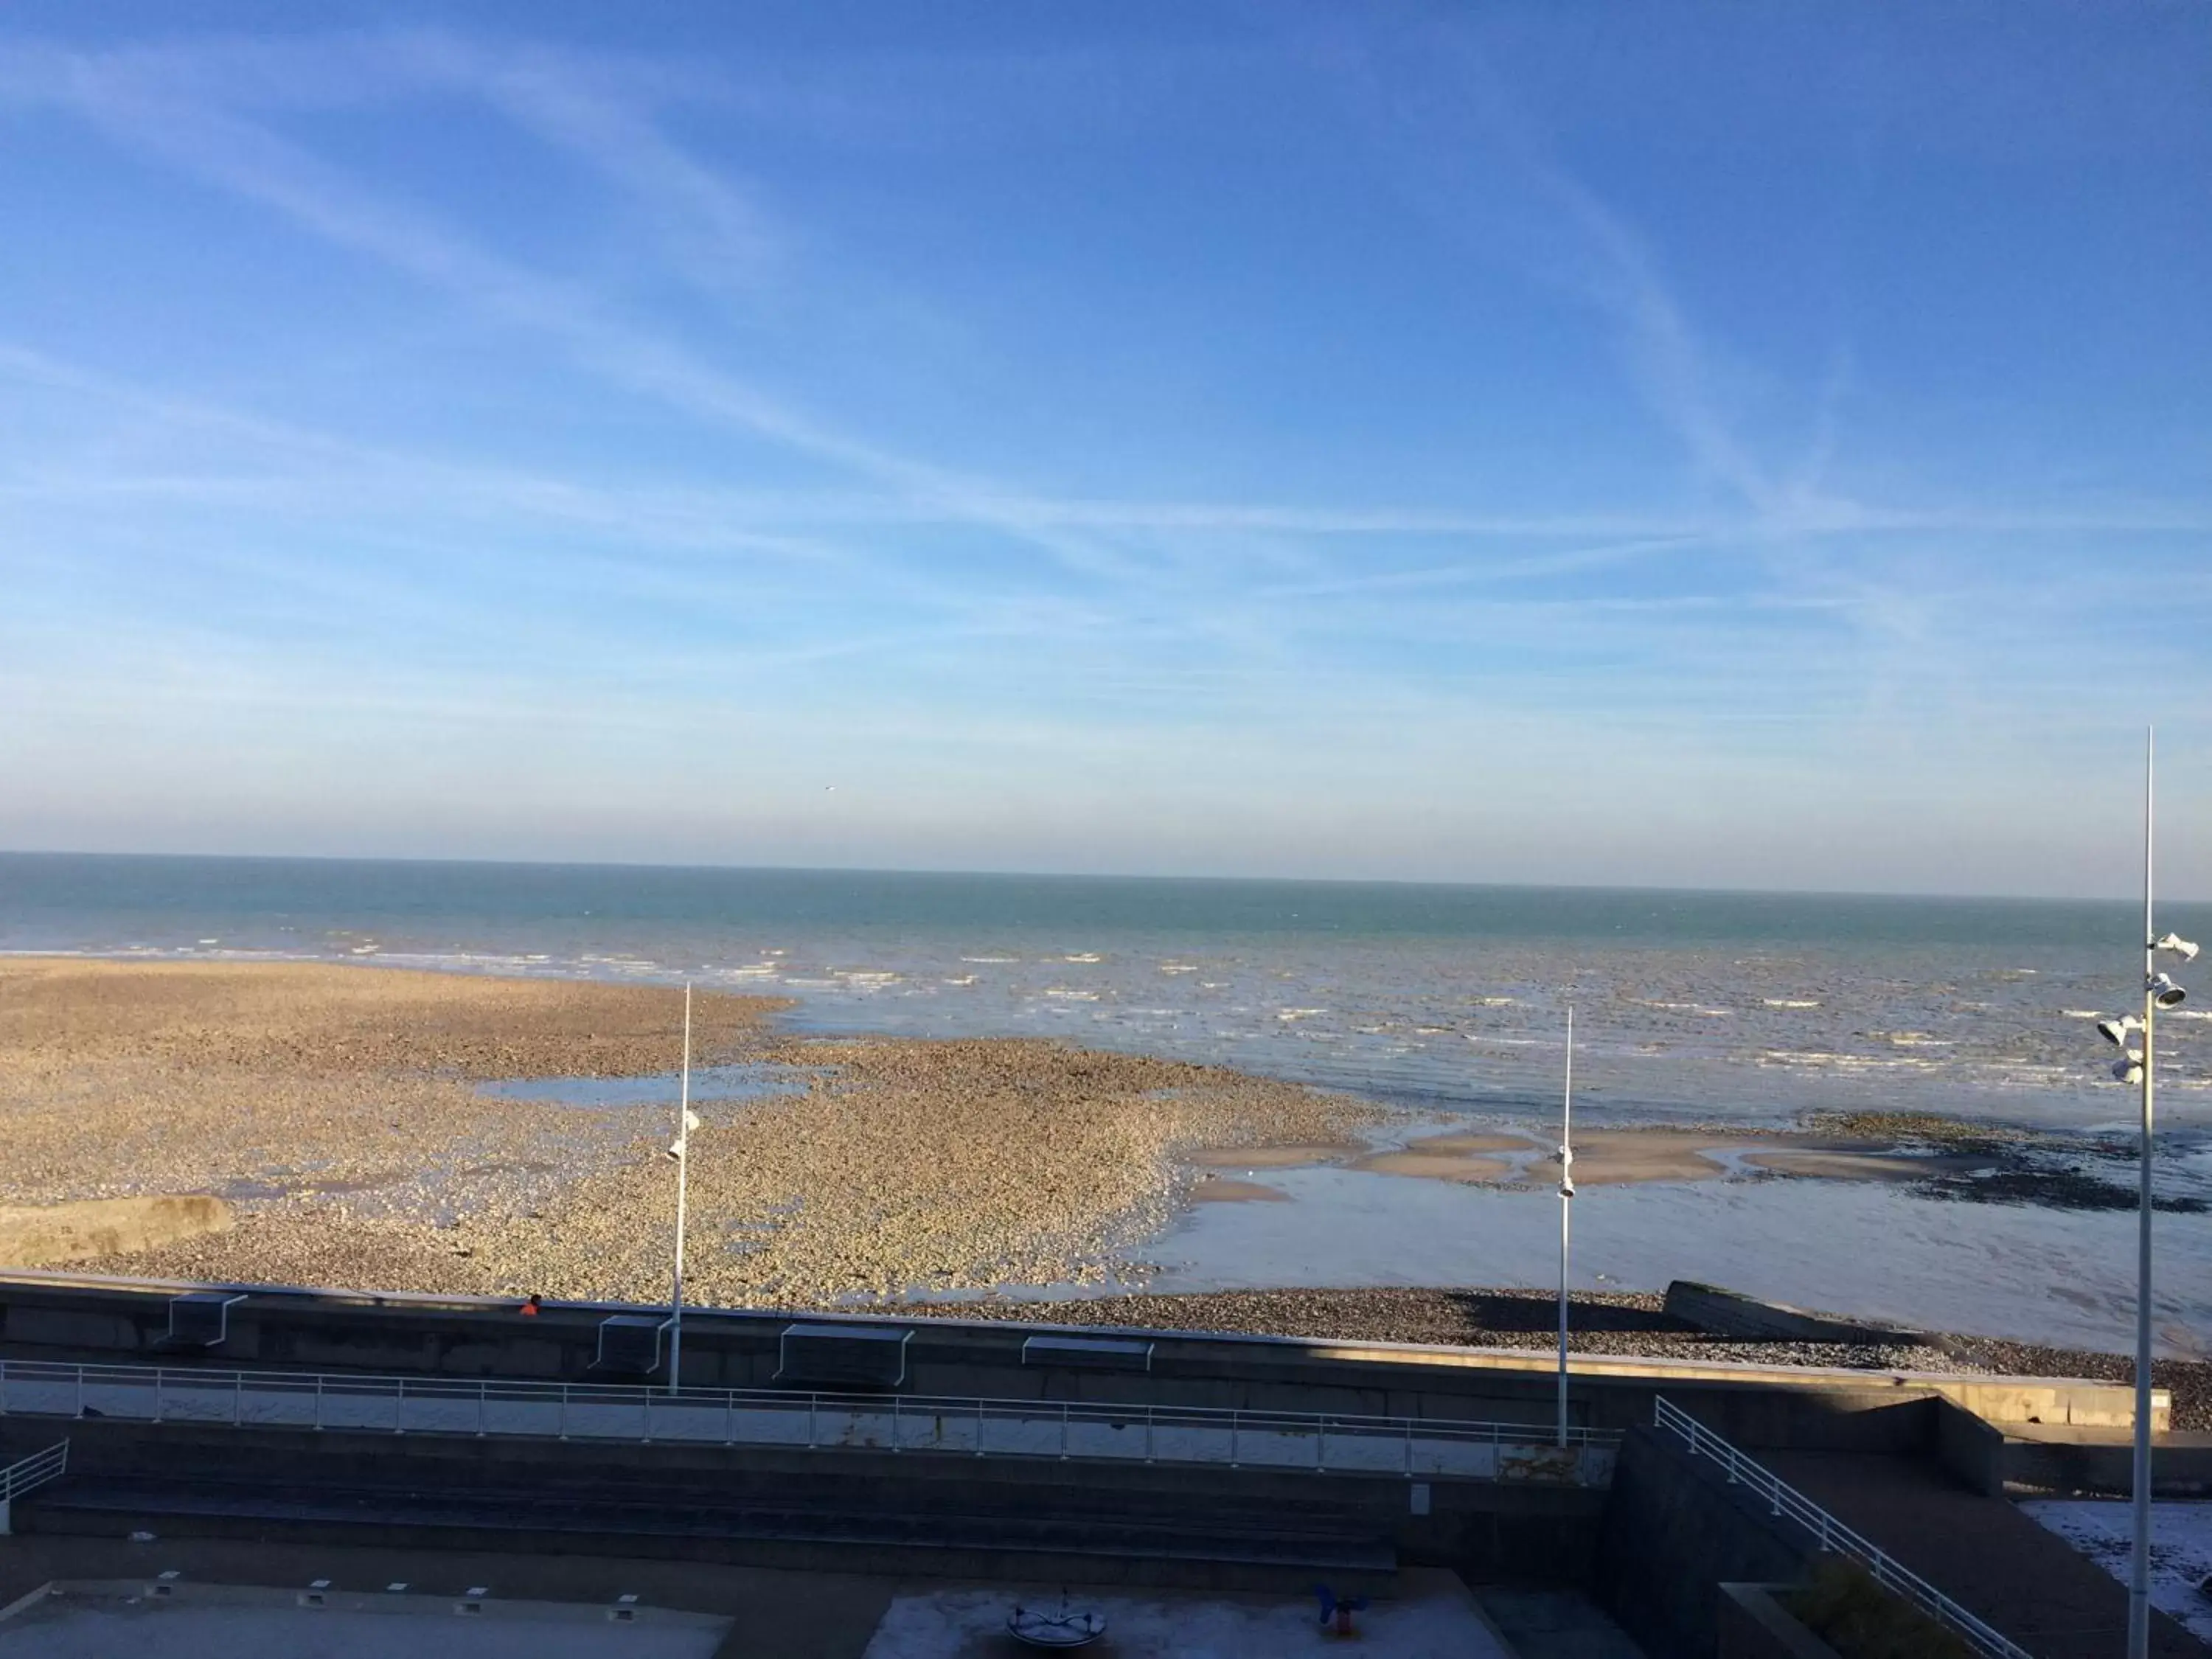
x=337 y=1108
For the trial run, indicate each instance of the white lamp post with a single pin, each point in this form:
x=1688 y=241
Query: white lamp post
x=686 y=1121
x=2140 y=1067
x=1566 y=1196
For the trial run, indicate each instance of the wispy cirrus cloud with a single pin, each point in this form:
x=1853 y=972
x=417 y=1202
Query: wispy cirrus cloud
x=132 y=102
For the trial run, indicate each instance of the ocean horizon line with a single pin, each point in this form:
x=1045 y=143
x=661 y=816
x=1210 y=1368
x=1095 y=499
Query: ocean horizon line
x=1109 y=878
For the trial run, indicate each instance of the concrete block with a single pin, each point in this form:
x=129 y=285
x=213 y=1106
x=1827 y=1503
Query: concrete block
x=2053 y=1400
x=1755 y=1625
x=1092 y=1353
x=50 y=1234
x=840 y=1355
x=1971 y=1448
x=2093 y=1461
x=1731 y=1313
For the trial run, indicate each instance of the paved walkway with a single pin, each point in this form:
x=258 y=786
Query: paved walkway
x=778 y=1614
x=1432 y=1616
x=1982 y=1552
x=1556 y=1624
x=787 y=1615
x=1063 y=1430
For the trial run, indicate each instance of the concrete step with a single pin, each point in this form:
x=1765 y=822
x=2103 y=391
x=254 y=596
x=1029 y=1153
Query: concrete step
x=1153 y=1550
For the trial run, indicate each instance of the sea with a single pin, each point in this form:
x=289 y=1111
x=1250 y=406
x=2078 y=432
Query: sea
x=1737 y=1009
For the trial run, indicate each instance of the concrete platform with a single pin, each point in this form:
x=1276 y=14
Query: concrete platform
x=97 y=1619
x=790 y=1615
x=240 y=1601
x=1434 y=1619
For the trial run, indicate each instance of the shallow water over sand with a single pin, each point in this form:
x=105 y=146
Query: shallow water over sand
x=2029 y=1273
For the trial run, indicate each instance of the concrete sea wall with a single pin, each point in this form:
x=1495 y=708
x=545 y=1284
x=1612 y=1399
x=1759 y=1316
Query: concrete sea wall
x=50 y=1235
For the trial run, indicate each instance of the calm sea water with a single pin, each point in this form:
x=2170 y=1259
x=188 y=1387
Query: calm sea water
x=1737 y=1007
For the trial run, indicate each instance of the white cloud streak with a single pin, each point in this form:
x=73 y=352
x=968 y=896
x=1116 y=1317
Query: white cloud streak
x=131 y=105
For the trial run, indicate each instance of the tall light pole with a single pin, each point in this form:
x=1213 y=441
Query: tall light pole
x=686 y=1121
x=1566 y=1197
x=2140 y=1067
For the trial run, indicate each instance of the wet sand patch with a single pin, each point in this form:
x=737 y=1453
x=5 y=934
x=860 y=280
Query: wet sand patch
x=1832 y=1165
x=1932 y=1157
x=1217 y=1190
x=1626 y=1157
x=1479 y=1142
x=1436 y=1166
x=1636 y=1156
x=1267 y=1158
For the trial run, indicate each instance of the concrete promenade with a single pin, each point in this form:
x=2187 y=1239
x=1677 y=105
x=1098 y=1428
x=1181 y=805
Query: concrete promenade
x=1423 y=1449
x=793 y=1615
x=75 y=1317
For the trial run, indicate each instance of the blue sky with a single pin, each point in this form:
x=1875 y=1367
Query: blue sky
x=1724 y=445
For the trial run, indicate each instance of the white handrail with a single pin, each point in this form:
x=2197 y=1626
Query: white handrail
x=1833 y=1535
x=480 y=1406
x=35 y=1470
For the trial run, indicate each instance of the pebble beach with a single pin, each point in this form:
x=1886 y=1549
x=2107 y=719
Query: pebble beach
x=339 y=1112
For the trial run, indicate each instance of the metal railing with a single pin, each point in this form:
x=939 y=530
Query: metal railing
x=1413 y=1448
x=19 y=1478
x=1833 y=1535
x=35 y=1470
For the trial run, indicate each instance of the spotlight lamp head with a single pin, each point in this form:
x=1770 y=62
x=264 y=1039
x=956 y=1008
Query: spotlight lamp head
x=2176 y=945
x=2165 y=993
x=2128 y=1068
x=2118 y=1031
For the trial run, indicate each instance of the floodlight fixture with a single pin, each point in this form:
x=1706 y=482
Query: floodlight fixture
x=686 y=1121
x=2136 y=1068
x=1566 y=1209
